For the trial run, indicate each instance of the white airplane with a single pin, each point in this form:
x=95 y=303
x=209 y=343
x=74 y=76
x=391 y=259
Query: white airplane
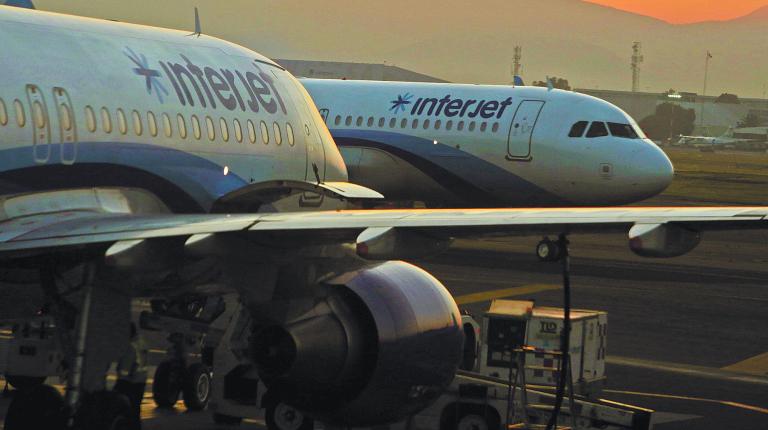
x=489 y=145
x=145 y=162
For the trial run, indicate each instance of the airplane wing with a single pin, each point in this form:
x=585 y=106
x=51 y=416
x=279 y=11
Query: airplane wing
x=29 y=235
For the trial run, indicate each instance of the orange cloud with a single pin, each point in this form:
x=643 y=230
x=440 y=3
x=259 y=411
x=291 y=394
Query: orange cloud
x=686 y=11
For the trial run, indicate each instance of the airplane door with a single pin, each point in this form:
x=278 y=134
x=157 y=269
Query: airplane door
x=67 y=125
x=41 y=126
x=521 y=130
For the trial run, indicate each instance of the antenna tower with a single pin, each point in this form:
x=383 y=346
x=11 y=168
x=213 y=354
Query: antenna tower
x=637 y=58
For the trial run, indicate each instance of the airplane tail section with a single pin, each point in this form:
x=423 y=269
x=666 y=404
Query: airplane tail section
x=27 y=4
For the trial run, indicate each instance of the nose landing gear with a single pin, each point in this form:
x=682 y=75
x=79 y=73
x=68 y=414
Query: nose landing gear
x=550 y=250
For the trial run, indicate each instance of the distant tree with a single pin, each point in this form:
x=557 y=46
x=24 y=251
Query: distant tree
x=669 y=91
x=559 y=83
x=727 y=98
x=751 y=120
x=669 y=120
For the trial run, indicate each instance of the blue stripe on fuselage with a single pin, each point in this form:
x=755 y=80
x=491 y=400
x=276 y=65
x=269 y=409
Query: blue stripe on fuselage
x=199 y=179
x=475 y=181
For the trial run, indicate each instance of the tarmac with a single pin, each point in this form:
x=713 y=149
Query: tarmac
x=686 y=336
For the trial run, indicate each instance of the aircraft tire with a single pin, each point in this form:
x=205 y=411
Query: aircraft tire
x=41 y=407
x=280 y=416
x=167 y=383
x=548 y=250
x=197 y=387
x=106 y=410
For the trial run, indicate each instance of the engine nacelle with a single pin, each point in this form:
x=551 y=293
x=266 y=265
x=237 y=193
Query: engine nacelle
x=383 y=345
x=662 y=240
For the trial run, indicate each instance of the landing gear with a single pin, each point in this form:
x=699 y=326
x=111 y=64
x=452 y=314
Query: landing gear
x=197 y=387
x=106 y=410
x=281 y=416
x=41 y=407
x=549 y=250
x=167 y=384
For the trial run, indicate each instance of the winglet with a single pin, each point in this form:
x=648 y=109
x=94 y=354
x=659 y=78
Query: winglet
x=198 y=28
x=518 y=81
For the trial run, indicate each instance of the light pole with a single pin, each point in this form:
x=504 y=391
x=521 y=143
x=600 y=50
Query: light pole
x=704 y=90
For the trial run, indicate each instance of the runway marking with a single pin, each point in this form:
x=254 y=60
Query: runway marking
x=687 y=369
x=486 y=296
x=757 y=365
x=693 y=399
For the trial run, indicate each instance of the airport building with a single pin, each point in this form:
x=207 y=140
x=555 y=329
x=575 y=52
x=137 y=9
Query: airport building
x=712 y=117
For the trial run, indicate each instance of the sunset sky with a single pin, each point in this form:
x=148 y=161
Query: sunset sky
x=687 y=11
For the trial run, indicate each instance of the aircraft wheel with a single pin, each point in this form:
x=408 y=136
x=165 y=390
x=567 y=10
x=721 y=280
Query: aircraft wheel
x=281 y=416
x=197 y=387
x=226 y=419
x=41 y=407
x=167 y=383
x=473 y=422
x=106 y=410
x=548 y=250
x=24 y=383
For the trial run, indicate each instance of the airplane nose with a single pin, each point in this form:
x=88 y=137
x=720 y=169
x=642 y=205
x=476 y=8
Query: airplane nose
x=656 y=169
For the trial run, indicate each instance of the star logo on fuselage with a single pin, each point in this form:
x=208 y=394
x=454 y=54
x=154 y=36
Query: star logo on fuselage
x=399 y=104
x=151 y=76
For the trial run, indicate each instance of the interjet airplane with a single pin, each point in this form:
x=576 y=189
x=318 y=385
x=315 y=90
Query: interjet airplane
x=488 y=145
x=145 y=162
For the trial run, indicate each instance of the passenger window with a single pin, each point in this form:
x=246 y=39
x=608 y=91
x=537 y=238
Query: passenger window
x=21 y=118
x=182 y=126
x=483 y=126
x=137 y=128
x=90 y=119
x=264 y=133
x=597 y=129
x=359 y=121
x=381 y=122
x=348 y=121
x=278 y=134
x=392 y=123
x=65 y=114
x=106 y=120
x=577 y=130
x=122 y=123
x=426 y=124
x=224 y=129
x=438 y=123
x=167 y=128
x=238 y=130
x=448 y=125
x=251 y=131
x=622 y=130
x=209 y=129
x=289 y=134
x=415 y=123
x=152 y=123
x=471 y=126
x=403 y=123
x=370 y=121
x=196 y=130
x=3 y=113
x=495 y=127
x=460 y=126
x=306 y=129
x=38 y=115
x=337 y=121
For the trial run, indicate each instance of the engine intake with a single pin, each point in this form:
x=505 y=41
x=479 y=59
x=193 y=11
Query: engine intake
x=383 y=344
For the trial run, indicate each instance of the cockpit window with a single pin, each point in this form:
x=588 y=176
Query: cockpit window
x=622 y=130
x=578 y=129
x=597 y=129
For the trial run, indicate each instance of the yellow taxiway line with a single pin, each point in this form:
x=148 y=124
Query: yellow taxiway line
x=757 y=365
x=486 y=296
x=694 y=399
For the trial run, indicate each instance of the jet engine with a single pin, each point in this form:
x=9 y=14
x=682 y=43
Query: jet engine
x=662 y=240
x=383 y=344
